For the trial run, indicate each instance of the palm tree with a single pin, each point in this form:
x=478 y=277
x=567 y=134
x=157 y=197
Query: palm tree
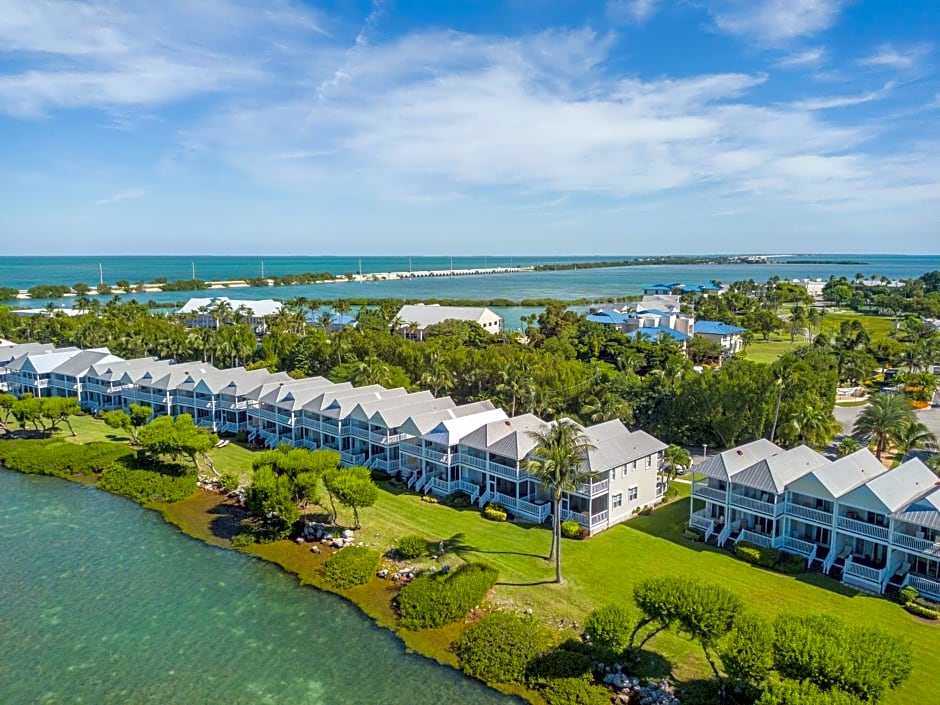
x=914 y=436
x=883 y=420
x=676 y=457
x=557 y=464
x=814 y=425
x=605 y=406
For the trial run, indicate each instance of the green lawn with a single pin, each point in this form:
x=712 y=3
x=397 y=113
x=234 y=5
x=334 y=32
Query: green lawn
x=604 y=569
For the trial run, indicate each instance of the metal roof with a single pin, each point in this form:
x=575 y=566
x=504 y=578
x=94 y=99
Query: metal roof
x=774 y=473
x=724 y=465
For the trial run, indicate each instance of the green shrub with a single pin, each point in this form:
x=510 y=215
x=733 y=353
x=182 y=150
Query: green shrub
x=921 y=611
x=229 y=481
x=693 y=534
x=61 y=458
x=560 y=663
x=413 y=546
x=457 y=500
x=791 y=563
x=243 y=538
x=500 y=647
x=438 y=599
x=495 y=514
x=351 y=566
x=752 y=553
x=145 y=486
x=610 y=627
x=430 y=499
x=570 y=529
x=573 y=691
x=908 y=594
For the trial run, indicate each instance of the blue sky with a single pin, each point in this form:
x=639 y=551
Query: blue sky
x=517 y=127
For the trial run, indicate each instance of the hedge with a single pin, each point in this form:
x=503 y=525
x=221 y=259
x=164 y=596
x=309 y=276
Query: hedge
x=412 y=546
x=574 y=691
x=351 y=566
x=61 y=458
x=437 y=599
x=570 y=529
x=494 y=514
x=772 y=558
x=500 y=647
x=921 y=611
x=145 y=486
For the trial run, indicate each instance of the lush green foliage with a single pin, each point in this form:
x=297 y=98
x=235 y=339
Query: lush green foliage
x=573 y=691
x=145 y=485
x=411 y=546
x=610 y=627
x=270 y=497
x=746 y=653
x=352 y=487
x=570 y=529
x=805 y=693
x=176 y=438
x=351 y=566
x=500 y=647
x=863 y=661
x=770 y=557
x=494 y=514
x=437 y=599
x=60 y=458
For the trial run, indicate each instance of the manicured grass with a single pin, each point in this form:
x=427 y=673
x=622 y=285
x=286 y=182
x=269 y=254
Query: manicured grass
x=605 y=568
x=779 y=343
x=770 y=350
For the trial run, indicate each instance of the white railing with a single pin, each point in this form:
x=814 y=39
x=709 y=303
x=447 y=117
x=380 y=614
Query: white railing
x=582 y=519
x=803 y=512
x=917 y=544
x=863 y=528
x=700 y=521
x=803 y=548
x=706 y=492
x=383 y=464
x=756 y=505
x=862 y=576
x=360 y=433
x=502 y=470
x=351 y=459
x=726 y=532
x=439 y=484
x=387 y=439
x=471 y=460
x=437 y=456
x=755 y=538
x=596 y=487
x=599 y=518
x=412 y=449
x=536 y=512
x=925 y=586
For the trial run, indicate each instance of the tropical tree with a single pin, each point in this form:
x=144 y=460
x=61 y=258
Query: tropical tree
x=353 y=488
x=676 y=457
x=814 y=424
x=914 y=435
x=557 y=463
x=883 y=420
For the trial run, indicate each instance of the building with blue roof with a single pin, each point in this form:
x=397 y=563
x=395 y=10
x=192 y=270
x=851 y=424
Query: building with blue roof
x=729 y=337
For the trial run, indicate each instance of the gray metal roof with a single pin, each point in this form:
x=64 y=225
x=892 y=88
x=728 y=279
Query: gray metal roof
x=615 y=445
x=845 y=474
x=42 y=362
x=8 y=353
x=508 y=438
x=722 y=466
x=426 y=315
x=773 y=474
x=328 y=397
x=899 y=486
x=389 y=413
x=78 y=365
x=924 y=511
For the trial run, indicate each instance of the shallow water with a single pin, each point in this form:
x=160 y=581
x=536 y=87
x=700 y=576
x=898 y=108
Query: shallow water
x=102 y=602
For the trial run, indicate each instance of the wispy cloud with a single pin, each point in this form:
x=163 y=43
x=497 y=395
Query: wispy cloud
x=775 y=21
x=631 y=11
x=888 y=56
x=844 y=101
x=811 y=57
x=126 y=195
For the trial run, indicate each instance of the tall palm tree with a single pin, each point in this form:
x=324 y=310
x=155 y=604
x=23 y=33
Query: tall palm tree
x=557 y=463
x=883 y=420
x=914 y=436
x=676 y=457
x=814 y=425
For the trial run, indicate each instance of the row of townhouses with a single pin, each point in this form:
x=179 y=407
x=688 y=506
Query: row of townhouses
x=876 y=528
x=437 y=445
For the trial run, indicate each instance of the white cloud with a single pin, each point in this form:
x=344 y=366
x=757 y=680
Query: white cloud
x=775 y=21
x=888 y=57
x=844 y=101
x=126 y=195
x=631 y=11
x=811 y=57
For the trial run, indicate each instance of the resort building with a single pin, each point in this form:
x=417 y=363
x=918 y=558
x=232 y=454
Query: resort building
x=873 y=528
x=436 y=445
x=220 y=310
x=729 y=337
x=414 y=319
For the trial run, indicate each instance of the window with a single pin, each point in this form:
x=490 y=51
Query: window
x=633 y=493
x=624 y=471
x=618 y=500
x=649 y=461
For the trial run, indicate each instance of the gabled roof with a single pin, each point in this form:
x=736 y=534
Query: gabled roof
x=257 y=308
x=372 y=410
x=897 y=487
x=426 y=315
x=507 y=438
x=342 y=406
x=243 y=381
x=294 y=394
x=923 y=511
x=42 y=362
x=724 y=465
x=78 y=365
x=774 y=473
x=651 y=333
x=463 y=420
x=12 y=351
x=329 y=396
x=716 y=328
x=845 y=474
x=616 y=445
x=607 y=317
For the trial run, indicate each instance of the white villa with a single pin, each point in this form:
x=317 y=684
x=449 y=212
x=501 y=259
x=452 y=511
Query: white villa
x=729 y=338
x=415 y=318
x=436 y=445
x=204 y=312
x=851 y=518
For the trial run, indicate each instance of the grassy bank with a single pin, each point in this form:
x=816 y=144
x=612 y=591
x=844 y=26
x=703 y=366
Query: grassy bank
x=598 y=571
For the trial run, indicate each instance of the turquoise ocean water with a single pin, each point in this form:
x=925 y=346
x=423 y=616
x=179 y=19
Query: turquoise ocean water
x=23 y=272
x=102 y=602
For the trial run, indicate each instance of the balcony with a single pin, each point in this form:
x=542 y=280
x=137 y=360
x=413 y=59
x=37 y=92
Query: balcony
x=706 y=492
x=469 y=460
x=585 y=521
x=412 y=449
x=927 y=587
x=863 y=528
x=523 y=508
x=351 y=459
x=386 y=439
x=862 y=576
x=592 y=489
x=914 y=543
x=757 y=505
x=800 y=547
x=701 y=520
x=437 y=456
x=809 y=513
x=756 y=538
x=360 y=433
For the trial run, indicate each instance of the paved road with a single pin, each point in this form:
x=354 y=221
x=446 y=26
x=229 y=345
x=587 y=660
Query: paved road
x=846 y=415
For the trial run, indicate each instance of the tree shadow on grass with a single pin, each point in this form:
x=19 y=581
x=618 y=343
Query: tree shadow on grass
x=459 y=547
x=698 y=691
x=825 y=582
x=226 y=520
x=649 y=664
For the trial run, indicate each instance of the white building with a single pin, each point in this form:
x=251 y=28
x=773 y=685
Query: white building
x=219 y=310
x=414 y=319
